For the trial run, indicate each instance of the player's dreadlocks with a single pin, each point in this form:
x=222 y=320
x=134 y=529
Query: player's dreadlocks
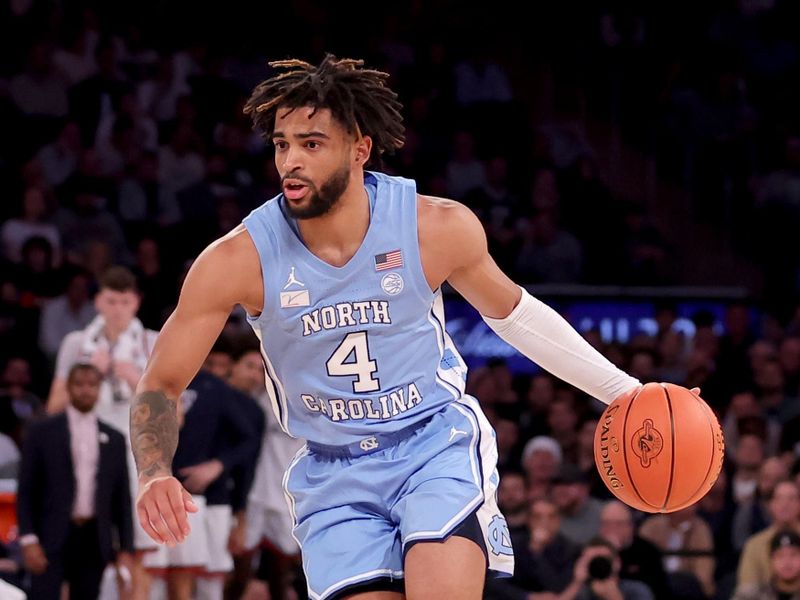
x=358 y=98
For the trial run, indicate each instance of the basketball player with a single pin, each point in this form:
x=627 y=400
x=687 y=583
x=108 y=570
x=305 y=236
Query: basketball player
x=394 y=493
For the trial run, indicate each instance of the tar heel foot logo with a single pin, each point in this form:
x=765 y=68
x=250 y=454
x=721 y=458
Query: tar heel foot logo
x=499 y=537
x=369 y=443
x=294 y=297
x=647 y=443
x=392 y=283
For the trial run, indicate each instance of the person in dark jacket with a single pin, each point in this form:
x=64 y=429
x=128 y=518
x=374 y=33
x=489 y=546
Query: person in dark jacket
x=73 y=500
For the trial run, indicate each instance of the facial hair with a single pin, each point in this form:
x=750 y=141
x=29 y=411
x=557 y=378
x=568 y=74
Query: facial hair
x=321 y=201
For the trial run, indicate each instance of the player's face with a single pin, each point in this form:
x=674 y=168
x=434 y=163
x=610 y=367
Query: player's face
x=84 y=388
x=117 y=308
x=314 y=156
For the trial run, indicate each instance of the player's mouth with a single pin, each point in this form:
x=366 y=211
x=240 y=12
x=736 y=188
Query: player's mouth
x=294 y=190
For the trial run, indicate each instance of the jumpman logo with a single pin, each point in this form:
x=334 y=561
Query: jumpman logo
x=454 y=432
x=293 y=280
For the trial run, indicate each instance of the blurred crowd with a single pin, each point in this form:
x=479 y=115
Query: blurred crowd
x=557 y=503
x=124 y=144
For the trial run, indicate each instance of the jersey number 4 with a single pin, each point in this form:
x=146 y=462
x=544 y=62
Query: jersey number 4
x=352 y=358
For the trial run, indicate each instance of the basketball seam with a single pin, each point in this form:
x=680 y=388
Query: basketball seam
x=709 y=416
x=625 y=448
x=672 y=449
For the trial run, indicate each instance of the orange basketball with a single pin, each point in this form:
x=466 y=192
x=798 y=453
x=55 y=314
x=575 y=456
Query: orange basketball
x=661 y=450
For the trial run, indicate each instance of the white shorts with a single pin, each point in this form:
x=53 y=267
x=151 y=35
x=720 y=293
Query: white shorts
x=273 y=525
x=218 y=530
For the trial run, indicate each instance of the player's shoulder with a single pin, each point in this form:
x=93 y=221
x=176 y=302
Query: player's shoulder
x=73 y=337
x=233 y=256
x=228 y=270
x=72 y=342
x=445 y=214
x=234 y=245
x=449 y=224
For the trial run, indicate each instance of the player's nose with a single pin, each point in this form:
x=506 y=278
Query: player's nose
x=292 y=160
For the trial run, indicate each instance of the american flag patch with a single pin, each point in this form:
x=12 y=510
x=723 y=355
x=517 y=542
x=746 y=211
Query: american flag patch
x=389 y=260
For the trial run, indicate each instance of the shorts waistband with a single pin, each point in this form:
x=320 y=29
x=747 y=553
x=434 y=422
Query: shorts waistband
x=370 y=444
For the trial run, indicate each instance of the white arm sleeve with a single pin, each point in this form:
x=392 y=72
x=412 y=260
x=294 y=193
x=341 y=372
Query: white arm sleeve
x=541 y=334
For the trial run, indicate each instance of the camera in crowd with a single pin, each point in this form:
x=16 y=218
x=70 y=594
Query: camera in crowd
x=600 y=568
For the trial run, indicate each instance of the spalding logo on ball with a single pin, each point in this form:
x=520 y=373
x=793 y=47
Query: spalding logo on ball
x=661 y=450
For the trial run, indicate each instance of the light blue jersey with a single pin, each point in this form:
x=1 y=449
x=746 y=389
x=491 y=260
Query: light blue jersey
x=359 y=364
x=358 y=350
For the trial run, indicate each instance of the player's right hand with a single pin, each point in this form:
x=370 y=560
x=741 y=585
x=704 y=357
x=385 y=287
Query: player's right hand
x=162 y=507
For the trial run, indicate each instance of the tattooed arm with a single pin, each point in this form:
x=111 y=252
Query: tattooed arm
x=154 y=427
x=227 y=273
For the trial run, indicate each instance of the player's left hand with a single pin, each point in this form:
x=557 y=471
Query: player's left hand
x=633 y=391
x=162 y=506
x=629 y=394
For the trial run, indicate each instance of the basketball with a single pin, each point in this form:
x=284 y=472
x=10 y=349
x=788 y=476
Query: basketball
x=661 y=450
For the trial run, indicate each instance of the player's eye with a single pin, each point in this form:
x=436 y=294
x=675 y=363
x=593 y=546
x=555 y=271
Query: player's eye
x=280 y=144
x=312 y=145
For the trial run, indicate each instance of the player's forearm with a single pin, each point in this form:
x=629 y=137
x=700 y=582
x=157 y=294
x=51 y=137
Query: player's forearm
x=545 y=337
x=154 y=433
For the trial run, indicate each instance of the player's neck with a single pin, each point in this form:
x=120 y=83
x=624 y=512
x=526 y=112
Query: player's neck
x=337 y=235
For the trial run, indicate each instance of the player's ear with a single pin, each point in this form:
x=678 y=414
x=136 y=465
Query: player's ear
x=363 y=149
